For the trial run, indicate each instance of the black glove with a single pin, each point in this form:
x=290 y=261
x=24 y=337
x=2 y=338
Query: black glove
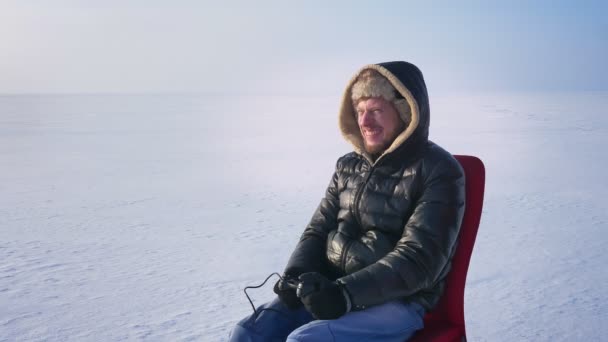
x=286 y=291
x=323 y=298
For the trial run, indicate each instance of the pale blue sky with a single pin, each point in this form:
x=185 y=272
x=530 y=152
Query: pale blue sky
x=283 y=47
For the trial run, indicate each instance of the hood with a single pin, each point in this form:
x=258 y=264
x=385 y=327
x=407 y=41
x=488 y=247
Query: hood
x=407 y=80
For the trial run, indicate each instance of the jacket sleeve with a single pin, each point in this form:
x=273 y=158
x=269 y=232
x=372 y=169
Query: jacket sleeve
x=423 y=253
x=309 y=254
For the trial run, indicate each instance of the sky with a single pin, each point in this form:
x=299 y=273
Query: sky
x=307 y=47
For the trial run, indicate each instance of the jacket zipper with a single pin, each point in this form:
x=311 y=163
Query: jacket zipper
x=357 y=216
x=358 y=197
x=343 y=256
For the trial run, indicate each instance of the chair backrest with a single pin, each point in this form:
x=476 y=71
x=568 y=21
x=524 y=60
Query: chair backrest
x=450 y=309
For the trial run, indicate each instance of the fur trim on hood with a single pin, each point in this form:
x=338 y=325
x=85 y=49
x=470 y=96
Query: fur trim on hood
x=407 y=80
x=370 y=83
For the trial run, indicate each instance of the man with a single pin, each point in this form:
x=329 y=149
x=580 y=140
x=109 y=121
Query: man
x=376 y=252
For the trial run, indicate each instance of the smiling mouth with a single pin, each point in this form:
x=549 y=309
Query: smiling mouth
x=371 y=132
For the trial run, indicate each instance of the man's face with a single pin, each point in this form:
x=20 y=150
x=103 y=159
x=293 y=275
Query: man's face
x=379 y=123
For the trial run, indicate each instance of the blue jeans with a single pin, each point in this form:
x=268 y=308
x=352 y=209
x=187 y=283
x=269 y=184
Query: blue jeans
x=392 y=321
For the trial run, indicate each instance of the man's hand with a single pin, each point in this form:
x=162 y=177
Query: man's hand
x=286 y=291
x=323 y=298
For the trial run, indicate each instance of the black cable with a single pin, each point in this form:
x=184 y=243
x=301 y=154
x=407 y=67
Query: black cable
x=257 y=287
x=257 y=312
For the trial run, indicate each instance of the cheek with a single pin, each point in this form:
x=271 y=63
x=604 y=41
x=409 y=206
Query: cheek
x=395 y=124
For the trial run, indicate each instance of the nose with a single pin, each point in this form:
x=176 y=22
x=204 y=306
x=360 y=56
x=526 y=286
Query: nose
x=365 y=118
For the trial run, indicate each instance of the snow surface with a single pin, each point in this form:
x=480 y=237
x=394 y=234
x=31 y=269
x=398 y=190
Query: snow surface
x=142 y=217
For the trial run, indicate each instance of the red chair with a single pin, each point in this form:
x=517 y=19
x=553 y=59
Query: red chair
x=446 y=322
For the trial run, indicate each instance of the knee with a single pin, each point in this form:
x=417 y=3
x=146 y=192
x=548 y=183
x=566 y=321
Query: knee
x=243 y=334
x=249 y=330
x=314 y=331
x=294 y=337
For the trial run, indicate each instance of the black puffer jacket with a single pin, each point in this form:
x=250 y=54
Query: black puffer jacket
x=387 y=229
